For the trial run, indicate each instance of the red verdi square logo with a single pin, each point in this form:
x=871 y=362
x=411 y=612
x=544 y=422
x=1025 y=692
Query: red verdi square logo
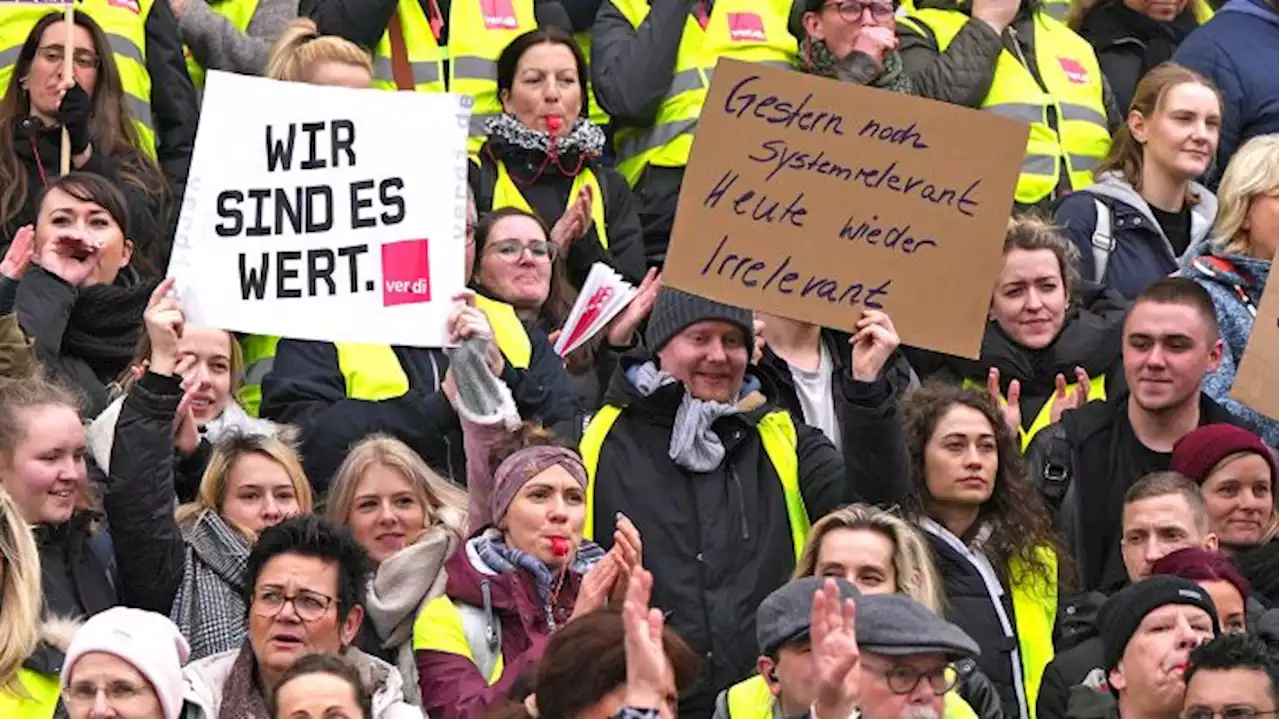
x=406 y=273
x=745 y=27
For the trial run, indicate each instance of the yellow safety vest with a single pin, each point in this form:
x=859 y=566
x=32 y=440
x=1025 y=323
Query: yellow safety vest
x=476 y=39
x=750 y=30
x=1069 y=69
x=595 y=113
x=751 y=699
x=443 y=626
x=506 y=194
x=239 y=13
x=372 y=372
x=124 y=22
x=259 y=352
x=1035 y=607
x=508 y=331
x=1097 y=391
x=41 y=700
x=777 y=434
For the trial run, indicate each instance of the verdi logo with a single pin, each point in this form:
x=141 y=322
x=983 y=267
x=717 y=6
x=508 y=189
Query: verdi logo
x=406 y=273
x=745 y=27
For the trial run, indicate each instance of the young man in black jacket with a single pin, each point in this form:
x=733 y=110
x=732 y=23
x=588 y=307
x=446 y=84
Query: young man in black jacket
x=1089 y=460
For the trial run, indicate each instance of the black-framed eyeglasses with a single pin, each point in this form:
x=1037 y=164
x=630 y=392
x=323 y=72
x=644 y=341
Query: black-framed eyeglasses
x=851 y=10
x=53 y=54
x=513 y=250
x=1231 y=711
x=309 y=606
x=904 y=678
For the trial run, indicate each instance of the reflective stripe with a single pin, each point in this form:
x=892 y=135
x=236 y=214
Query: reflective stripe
x=779 y=64
x=1083 y=163
x=258 y=371
x=1057 y=10
x=1040 y=165
x=123 y=46
x=685 y=81
x=1081 y=113
x=1022 y=112
x=657 y=137
x=9 y=56
x=474 y=68
x=141 y=110
x=423 y=72
x=478 y=121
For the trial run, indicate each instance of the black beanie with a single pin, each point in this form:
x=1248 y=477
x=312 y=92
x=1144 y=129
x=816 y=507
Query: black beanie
x=674 y=310
x=1119 y=618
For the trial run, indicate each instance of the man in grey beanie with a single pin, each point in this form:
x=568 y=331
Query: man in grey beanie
x=720 y=481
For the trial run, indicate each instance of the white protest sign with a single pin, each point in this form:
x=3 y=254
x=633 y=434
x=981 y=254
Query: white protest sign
x=324 y=213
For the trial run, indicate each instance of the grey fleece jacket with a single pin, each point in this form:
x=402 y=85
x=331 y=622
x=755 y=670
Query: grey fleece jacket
x=217 y=45
x=1113 y=186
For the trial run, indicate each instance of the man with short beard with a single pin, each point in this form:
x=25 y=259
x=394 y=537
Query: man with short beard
x=1148 y=631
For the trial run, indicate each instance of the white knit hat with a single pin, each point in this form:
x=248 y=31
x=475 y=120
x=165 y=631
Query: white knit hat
x=149 y=641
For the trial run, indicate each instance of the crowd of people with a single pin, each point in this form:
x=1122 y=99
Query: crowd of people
x=704 y=511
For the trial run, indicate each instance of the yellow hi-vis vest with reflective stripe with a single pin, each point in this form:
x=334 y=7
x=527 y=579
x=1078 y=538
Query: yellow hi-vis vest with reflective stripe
x=750 y=30
x=123 y=21
x=1069 y=69
x=506 y=194
x=777 y=434
x=595 y=113
x=259 y=353
x=751 y=699
x=508 y=331
x=40 y=702
x=478 y=32
x=1097 y=390
x=443 y=626
x=1035 y=607
x=239 y=13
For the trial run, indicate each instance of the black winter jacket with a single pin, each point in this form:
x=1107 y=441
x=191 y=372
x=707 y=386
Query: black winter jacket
x=548 y=194
x=969 y=607
x=174 y=106
x=1090 y=338
x=720 y=542
x=1129 y=43
x=150 y=551
x=977 y=691
x=62 y=320
x=1067 y=670
x=147 y=227
x=306 y=388
x=1088 y=446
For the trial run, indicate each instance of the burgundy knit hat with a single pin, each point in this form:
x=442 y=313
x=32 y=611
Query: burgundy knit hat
x=1197 y=453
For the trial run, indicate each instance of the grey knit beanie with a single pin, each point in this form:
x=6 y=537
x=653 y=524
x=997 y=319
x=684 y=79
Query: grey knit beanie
x=675 y=310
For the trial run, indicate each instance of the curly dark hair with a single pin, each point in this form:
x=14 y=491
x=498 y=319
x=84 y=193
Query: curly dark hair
x=1019 y=521
x=1234 y=651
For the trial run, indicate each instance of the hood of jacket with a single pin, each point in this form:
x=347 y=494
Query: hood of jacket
x=661 y=405
x=1256 y=8
x=205 y=679
x=1249 y=272
x=407 y=580
x=1112 y=186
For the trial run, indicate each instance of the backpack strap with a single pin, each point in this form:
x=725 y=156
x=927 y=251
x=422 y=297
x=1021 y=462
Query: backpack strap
x=1056 y=475
x=1103 y=243
x=483 y=630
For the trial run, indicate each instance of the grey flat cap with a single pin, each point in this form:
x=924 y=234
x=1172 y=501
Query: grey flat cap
x=783 y=616
x=896 y=625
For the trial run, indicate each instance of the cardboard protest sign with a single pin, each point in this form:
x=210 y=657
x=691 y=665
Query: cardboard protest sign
x=1256 y=382
x=815 y=199
x=324 y=213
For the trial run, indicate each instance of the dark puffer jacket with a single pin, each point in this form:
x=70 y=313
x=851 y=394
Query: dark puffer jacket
x=719 y=542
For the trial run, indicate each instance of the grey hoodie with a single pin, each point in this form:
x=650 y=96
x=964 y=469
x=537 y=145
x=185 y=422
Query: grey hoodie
x=1112 y=186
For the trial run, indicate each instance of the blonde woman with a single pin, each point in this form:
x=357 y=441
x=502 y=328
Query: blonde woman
x=410 y=520
x=192 y=561
x=23 y=691
x=1233 y=266
x=302 y=54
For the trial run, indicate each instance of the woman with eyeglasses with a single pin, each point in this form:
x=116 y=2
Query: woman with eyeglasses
x=125 y=664
x=852 y=41
x=991 y=537
x=541 y=156
x=38 y=105
x=519 y=274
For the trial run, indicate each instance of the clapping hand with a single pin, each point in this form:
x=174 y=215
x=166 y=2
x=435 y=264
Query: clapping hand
x=575 y=222
x=646 y=656
x=1009 y=406
x=1065 y=399
x=18 y=257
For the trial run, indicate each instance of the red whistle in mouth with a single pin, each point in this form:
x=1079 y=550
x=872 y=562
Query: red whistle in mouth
x=553 y=125
x=559 y=546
